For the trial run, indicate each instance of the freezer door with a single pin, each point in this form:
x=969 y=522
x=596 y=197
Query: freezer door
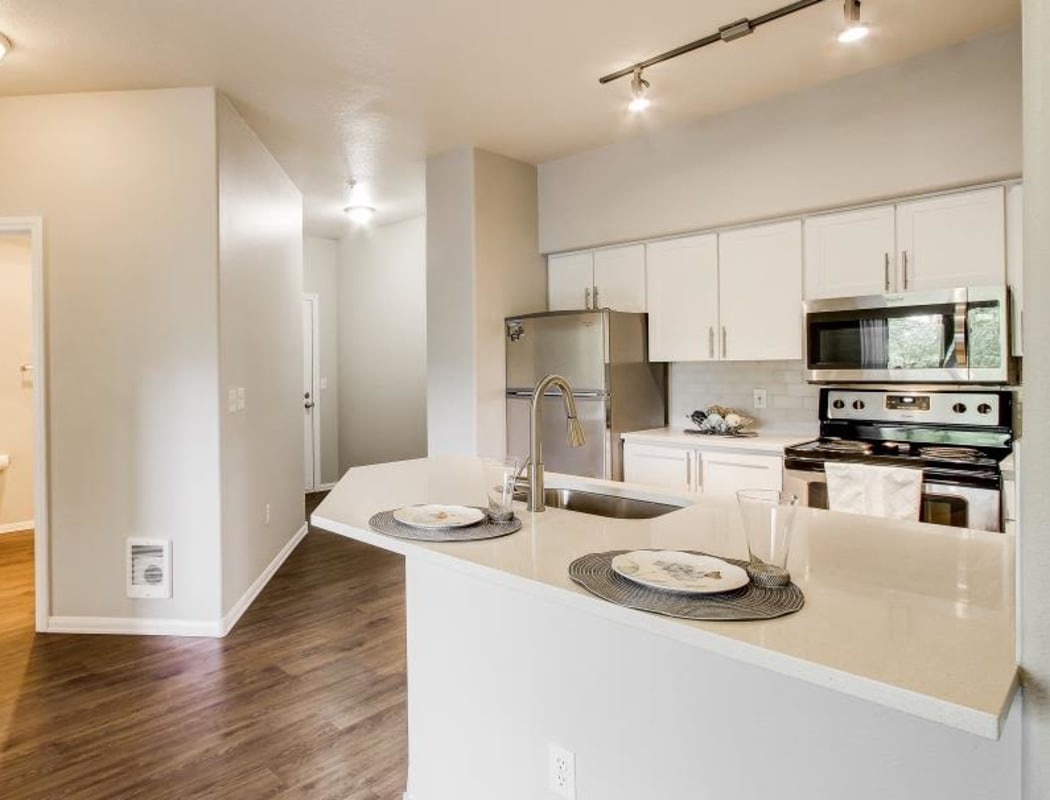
x=591 y=461
x=570 y=344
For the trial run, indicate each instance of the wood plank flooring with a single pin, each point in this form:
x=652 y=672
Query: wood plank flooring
x=305 y=699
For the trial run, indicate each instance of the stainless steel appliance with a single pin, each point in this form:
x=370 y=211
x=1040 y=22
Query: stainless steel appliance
x=957 y=439
x=946 y=336
x=604 y=356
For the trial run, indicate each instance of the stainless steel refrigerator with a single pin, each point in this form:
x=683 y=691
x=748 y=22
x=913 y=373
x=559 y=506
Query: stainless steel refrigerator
x=604 y=356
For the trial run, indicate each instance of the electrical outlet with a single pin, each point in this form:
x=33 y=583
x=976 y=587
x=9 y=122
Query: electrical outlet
x=267 y=513
x=760 y=398
x=561 y=771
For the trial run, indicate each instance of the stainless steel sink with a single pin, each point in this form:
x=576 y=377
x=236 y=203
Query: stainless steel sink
x=605 y=505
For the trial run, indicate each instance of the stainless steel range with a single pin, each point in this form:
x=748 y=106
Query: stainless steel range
x=957 y=439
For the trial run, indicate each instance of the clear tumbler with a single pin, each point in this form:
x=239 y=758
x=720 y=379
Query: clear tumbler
x=769 y=516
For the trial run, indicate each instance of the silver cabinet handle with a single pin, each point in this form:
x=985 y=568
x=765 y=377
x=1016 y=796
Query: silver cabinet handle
x=904 y=262
x=587 y=297
x=596 y=306
x=887 y=271
x=689 y=471
x=711 y=342
x=724 y=341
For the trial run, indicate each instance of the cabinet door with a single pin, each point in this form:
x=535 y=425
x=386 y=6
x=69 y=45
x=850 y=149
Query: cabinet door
x=570 y=281
x=851 y=253
x=619 y=278
x=669 y=467
x=1015 y=264
x=952 y=241
x=681 y=279
x=760 y=292
x=724 y=474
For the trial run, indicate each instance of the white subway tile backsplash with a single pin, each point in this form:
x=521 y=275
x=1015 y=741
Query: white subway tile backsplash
x=792 y=402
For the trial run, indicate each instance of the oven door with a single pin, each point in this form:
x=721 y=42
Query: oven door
x=947 y=336
x=942 y=503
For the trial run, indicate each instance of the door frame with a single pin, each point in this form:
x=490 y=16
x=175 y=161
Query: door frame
x=34 y=228
x=314 y=300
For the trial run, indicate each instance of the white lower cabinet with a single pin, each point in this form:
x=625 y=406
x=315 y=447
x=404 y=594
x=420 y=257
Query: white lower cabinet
x=724 y=474
x=656 y=465
x=712 y=471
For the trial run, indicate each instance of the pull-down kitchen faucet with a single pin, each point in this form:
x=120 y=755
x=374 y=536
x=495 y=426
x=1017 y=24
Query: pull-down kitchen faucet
x=575 y=434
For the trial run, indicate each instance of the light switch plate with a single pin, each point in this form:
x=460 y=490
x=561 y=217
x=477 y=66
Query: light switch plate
x=241 y=398
x=324 y=383
x=231 y=400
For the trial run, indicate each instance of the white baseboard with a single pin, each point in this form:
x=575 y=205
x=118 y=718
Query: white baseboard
x=16 y=527
x=234 y=614
x=137 y=626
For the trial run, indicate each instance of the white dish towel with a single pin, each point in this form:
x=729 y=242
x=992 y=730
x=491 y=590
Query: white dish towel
x=887 y=492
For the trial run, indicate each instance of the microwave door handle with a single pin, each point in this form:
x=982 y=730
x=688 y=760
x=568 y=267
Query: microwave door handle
x=958 y=345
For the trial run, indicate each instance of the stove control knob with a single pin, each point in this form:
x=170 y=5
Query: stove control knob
x=839 y=404
x=959 y=408
x=984 y=408
x=858 y=405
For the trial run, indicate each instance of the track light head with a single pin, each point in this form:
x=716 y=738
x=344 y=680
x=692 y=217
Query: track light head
x=855 y=29
x=639 y=93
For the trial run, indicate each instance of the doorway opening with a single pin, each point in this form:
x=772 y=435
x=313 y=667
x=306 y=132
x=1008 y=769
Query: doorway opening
x=23 y=452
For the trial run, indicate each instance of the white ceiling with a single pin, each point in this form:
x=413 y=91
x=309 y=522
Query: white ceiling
x=347 y=87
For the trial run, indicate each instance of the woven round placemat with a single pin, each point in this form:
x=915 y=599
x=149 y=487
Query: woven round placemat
x=384 y=522
x=594 y=573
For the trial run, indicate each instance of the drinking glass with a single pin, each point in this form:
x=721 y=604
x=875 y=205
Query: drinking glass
x=769 y=516
x=499 y=486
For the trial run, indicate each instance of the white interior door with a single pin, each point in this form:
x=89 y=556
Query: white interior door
x=311 y=445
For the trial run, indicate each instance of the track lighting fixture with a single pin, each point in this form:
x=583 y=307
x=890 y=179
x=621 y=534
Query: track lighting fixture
x=855 y=30
x=639 y=93
x=5 y=46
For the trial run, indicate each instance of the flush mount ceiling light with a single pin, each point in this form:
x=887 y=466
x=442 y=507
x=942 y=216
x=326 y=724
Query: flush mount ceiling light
x=639 y=93
x=5 y=46
x=360 y=214
x=855 y=30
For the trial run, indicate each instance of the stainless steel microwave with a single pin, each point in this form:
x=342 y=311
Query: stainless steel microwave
x=943 y=336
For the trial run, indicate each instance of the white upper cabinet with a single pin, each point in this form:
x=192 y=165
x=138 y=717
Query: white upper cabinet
x=952 y=240
x=610 y=278
x=760 y=291
x=851 y=253
x=619 y=278
x=570 y=281
x=682 y=296
x=1015 y=262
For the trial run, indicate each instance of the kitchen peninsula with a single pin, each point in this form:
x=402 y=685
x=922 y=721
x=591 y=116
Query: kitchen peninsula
x=897 y=678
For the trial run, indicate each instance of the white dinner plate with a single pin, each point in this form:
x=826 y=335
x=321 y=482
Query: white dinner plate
x=675 y=571
x=435 y=515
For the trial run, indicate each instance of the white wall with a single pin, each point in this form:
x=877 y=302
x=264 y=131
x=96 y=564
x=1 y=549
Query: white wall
x=483 y=264
x=383 y=320
x=16 y=386
x=1035 y=456
x=947 y=118
x=260 y=333
x=125 y=183
x=321 y=277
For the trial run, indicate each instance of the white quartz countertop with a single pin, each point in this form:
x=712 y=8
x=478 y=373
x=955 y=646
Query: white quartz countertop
x=772 y=442
x=915 y=617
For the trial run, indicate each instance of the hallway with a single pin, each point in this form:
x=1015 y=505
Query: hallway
x=304 y=699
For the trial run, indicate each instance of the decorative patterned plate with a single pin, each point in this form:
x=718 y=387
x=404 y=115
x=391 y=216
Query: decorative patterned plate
x=435 y=515
x=674 y=571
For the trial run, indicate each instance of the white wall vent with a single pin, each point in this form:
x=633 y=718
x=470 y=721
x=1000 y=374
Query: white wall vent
x=149 y=568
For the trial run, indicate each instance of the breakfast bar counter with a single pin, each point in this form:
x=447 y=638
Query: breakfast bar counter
x=902 y=657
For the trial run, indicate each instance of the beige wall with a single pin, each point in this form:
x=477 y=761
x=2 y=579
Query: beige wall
x=16 y=386
x=383 y=344
x=483 y=264
x=125 y=183
x=947 y=118
x=260 y=333
x=1035 y=454
x=321 y=277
